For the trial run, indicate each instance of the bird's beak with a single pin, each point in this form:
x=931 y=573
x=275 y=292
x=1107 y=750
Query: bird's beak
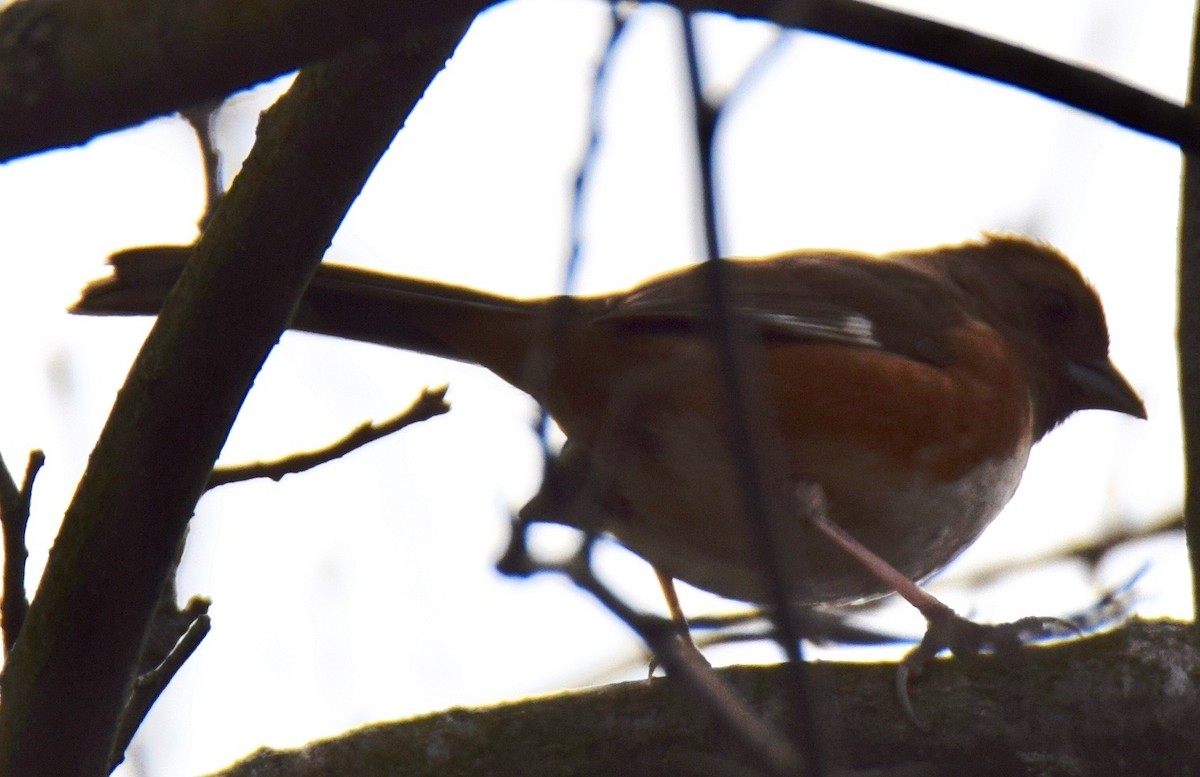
x=1102 y=387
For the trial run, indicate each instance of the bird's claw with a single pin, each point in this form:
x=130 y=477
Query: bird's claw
x=964 y=639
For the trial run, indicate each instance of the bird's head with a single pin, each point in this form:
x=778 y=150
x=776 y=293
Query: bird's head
x=1042 y=303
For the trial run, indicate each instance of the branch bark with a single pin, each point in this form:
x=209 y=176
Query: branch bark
x=1118 y=703
x=72 y=69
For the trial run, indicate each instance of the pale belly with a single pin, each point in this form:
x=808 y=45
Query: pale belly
x=917 y=524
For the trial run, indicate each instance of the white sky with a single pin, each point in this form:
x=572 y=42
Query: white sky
x=365 y=590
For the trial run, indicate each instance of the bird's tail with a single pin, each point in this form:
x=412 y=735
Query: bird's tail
x=417 y=315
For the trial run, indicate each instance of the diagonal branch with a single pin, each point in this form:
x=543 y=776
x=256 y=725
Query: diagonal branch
x=72 y=669
x=979 y=55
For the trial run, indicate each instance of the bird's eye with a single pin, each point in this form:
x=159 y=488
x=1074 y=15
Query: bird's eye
x=1056 y=306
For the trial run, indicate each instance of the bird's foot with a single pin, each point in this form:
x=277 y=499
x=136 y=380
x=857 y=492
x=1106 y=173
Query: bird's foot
x=947 y=629
x=965 y=638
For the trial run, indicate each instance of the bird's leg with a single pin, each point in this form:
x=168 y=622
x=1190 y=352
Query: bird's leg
x=673 y=607
x=581 y=487
x=686 y=642
x=947 y=629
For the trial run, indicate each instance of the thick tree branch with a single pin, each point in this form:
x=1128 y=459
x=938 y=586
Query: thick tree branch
x=1119 y=703
x=71 y=671
x=73 y=69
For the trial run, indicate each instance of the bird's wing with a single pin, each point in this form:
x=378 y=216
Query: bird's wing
x=827 y=297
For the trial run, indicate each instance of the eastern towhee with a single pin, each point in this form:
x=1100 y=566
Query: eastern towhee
x=904 y=392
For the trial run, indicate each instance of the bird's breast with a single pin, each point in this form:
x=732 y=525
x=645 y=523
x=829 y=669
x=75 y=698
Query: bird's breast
x=914 y=460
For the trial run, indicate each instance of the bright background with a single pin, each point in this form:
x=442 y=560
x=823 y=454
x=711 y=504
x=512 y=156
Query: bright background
x=365 y=590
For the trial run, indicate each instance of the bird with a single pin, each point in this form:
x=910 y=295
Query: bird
x=902 y=391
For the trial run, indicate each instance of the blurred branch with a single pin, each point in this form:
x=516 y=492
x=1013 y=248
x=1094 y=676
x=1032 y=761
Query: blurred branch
x=426 y=406
x=769 y=746
x=618 y=17
x=1079 y=707
x=976 y=54
x=756 y=446
x=517 y=560
x=14 y=518
x=1089 y=551
x=70 y=675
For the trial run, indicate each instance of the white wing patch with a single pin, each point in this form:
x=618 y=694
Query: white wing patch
x=852 y=328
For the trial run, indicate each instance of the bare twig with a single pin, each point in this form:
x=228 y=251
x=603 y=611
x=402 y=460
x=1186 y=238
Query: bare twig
x=14 y=517
x=618 y=15
x=429 y=404
x=10 y=496
x=587 y=163
x=1089 y=551
x=14 y=604
x=200 y=117
x=150 y=685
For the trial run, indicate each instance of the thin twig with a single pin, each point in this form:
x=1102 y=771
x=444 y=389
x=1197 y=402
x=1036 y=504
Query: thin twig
x=431 y=403
x=618 y=15
x=14 y=518
x=150 y=685
x=14 y=604
x=200 y=116
x=10 y=496
x=1090 y=552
